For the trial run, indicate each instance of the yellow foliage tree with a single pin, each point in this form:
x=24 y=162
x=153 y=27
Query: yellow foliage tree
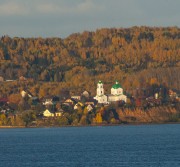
x=98 y=118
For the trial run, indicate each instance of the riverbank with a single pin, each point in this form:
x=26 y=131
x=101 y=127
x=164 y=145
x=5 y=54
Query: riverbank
x=92 y=125
x=7 y=127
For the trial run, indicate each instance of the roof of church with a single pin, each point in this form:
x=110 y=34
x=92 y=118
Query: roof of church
x=100 y=82
x=116 y=85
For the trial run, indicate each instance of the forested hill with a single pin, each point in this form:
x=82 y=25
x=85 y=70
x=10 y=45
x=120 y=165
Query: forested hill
x=132 y=55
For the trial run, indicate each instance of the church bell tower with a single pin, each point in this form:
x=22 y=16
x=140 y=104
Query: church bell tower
x=100 y=89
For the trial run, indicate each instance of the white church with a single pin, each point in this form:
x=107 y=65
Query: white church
x=116 y=94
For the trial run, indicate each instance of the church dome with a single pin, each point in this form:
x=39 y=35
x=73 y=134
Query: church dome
x=116 y=85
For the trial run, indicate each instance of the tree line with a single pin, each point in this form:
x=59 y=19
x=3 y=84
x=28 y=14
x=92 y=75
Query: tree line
x=135 y=56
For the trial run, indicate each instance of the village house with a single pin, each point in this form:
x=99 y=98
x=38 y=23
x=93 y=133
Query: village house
x=152 y=101
x=58 y=114
x=50 y=100
x=91 y=101
x=172 y=94
x=90 y=107
x=48 y=113
x=77 y=105
x=25 y=92
x=76 y=97
x=6 y=109
x=70 y=102
x=85 y=94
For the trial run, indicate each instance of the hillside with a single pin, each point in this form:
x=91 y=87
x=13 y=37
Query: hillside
x=135 y=56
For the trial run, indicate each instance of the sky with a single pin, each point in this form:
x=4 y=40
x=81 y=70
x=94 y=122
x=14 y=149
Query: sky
x=60 y=18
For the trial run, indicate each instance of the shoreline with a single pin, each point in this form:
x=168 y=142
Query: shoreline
x=11 y=127
x=96 y=125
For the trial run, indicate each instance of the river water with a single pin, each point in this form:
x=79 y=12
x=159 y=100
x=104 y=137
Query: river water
x=106 y=146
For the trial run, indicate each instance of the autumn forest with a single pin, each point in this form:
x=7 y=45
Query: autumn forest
x=134 y=56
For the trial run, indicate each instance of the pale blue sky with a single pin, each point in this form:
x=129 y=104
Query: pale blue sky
x=60 y=18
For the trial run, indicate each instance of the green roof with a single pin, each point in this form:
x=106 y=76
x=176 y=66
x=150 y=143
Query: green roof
x=116 y=85
x=100 y=82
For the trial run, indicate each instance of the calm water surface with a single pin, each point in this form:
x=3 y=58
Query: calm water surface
x=121 y=146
